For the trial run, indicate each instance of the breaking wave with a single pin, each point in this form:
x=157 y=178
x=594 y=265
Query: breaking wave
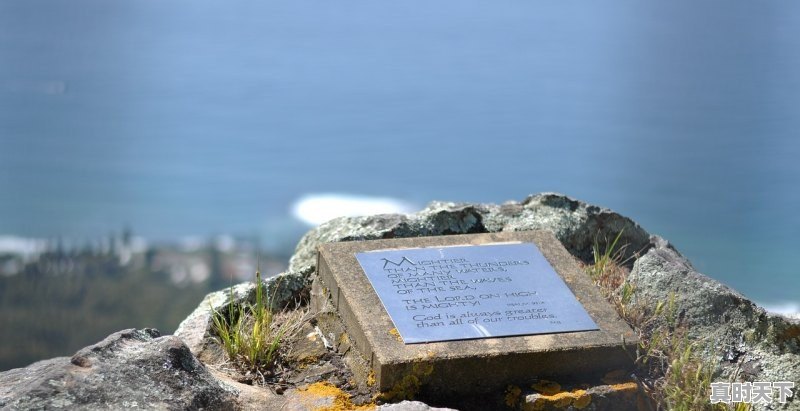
x=315 y=209
x=27 y=247
x=787 y=308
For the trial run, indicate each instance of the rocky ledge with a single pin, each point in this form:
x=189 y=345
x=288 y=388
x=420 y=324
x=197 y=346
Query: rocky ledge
x=142 y=369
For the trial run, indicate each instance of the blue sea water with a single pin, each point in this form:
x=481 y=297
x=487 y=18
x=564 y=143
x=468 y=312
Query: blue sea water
x=198 y=117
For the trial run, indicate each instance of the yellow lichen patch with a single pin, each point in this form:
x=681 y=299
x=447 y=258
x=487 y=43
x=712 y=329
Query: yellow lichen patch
x=625 y=387
x=344 y=339
x=512 y=395
x=542 y=401
x=396 y=334
x=547 y=387
x=322 y=389
x=371 y=378
x=340 y=400
x=577 y=398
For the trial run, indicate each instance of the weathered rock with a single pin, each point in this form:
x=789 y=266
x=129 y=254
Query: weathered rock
x=577 y=225
x=436 y=219
x=762 y=346
x=711 y=309
x=616 y=397
x=326 y=397
x=129 y=369
x=765 y=347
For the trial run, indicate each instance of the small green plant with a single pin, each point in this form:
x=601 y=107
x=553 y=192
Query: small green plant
x=681 y=373
x=251 y=334
x=607 y=263
x=608 y=273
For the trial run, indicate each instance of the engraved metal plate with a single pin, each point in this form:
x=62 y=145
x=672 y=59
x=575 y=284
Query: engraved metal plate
x=472 y=291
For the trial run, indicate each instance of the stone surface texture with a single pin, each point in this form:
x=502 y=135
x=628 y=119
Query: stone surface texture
x=128 y=369
x=479 y=365
x=762 y=345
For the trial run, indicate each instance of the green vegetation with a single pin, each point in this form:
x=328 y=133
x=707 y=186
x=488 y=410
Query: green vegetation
x=64 y=299
x=683 y=374
x=672 y=368
x=62 y=303
x=607 y=268
x=252 y=334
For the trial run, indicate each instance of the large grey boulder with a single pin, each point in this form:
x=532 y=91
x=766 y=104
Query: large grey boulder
x=742 y=336
x=129 y=369
x=574 y=223
x=759 y=345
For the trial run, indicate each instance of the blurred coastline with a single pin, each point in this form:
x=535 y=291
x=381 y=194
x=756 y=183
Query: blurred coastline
x=58 y=296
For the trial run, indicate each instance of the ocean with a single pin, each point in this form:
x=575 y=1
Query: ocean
x=196 y=118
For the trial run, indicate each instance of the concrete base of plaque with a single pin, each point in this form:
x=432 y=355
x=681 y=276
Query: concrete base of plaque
x=470 y=313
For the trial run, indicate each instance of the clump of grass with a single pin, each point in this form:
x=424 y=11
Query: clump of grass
x=252 y=334
x=607 y=270
x=671 y=367
x=677 y=373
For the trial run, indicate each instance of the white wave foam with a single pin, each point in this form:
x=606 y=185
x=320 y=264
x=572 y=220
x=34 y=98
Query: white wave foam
x=315 y=209
x=26 y=247
x=787 y=308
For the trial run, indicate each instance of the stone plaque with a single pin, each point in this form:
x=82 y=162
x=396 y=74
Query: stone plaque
x=505 y=285
x=472 y=291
